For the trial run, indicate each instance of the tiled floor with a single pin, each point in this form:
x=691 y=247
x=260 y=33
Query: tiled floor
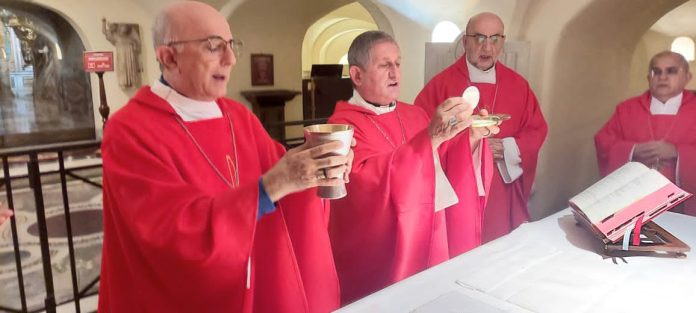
x=85 y=208
x=88 y=304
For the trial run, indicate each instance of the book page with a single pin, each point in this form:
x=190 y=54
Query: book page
x=623 y=197
x=608 y=184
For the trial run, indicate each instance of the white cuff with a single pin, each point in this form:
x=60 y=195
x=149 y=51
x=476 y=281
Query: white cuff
x=445 y=196
x=510 y=167
x=476 y=160
x=677 y=181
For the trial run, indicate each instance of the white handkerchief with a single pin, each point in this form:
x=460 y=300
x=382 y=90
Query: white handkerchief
x=511 y=167
x=444 y=193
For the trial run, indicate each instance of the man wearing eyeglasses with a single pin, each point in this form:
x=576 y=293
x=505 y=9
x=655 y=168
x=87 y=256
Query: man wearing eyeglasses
x=203 y=211
x=656 y=128
x=515 y=149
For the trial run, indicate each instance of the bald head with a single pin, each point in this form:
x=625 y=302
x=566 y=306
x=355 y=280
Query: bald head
x=678 y=58
x=194 y=46
x=182 y=19
x=485 y=20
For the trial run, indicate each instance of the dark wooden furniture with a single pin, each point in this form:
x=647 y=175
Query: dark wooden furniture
x=320 y=94
x=269 y=106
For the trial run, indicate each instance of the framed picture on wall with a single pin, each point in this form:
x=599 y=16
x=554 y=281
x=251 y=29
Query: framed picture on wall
x=261 y=69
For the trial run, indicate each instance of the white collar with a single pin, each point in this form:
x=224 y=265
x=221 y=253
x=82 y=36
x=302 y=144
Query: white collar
x=359 y=101
x=670 y=107
x=478 y=76
x=189 y=110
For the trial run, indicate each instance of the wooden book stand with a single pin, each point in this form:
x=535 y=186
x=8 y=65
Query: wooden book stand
x=654 y=241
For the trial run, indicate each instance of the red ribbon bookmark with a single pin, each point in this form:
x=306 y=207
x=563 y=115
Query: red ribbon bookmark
x=636 y=231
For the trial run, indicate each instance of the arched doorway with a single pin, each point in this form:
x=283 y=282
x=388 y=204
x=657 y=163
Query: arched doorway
x=45 y=96
x=328 y=39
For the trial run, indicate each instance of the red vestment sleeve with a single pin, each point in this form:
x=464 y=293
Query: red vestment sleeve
x=464 y=218
x=529 y=138
x=298 y=272
x=687 y=173
x=613 y=149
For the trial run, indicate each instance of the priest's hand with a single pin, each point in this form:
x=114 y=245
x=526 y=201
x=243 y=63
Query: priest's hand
x=5 y=213
x=645 y=150
x=654 y=153
x=666 y=150
x=478 y=133
x=497 y=148
x=645 y=153
x=450 y=118
x=303 y=167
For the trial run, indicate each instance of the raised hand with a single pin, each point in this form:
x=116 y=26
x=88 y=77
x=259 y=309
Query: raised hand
x=450 y=118
x=478 y=133
x=303 y=167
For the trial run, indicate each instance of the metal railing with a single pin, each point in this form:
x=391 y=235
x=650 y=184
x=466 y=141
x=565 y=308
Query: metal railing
x=34 y=174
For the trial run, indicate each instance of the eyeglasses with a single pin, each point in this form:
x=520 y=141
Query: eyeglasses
x=215 y=44
x=481 y=38
x=670 y=71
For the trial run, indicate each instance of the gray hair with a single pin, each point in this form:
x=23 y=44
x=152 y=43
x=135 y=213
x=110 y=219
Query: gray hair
x=161 y=29
x=359 y=51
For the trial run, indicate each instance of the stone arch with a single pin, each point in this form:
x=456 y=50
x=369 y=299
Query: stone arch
x=338 y=32
x=586 y=78
x=381 y=20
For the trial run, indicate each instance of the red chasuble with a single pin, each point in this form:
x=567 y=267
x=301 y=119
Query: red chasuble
x=177 y=238
x=507 y=203
x=632 y=123
x=387 y=229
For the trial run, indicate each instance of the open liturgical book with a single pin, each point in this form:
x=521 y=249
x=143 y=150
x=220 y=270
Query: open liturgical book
x=618 y=201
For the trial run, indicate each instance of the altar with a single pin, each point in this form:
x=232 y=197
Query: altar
x=551 y=265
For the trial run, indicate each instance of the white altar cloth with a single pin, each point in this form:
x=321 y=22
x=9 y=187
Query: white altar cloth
x=548 y=266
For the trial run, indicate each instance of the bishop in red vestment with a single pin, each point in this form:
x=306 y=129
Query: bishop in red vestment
x=203 y=211
x=390 y=226
x=656 y=128
x=516 y=148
